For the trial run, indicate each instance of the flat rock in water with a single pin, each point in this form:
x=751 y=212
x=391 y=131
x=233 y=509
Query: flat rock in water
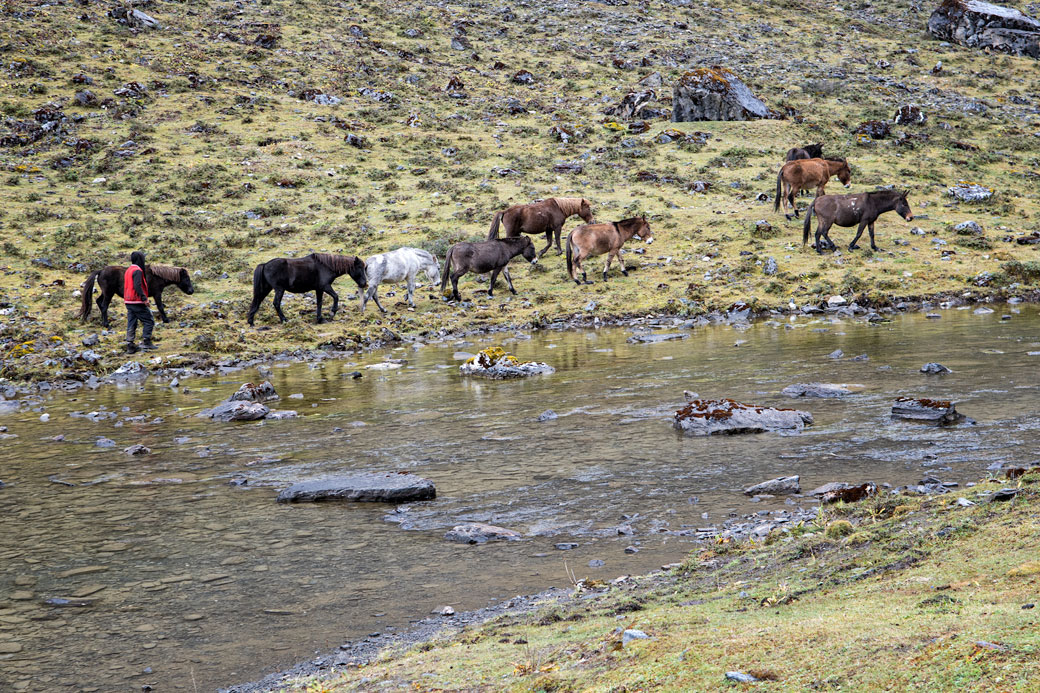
x=936 y=368
x=932 y=411
x=371 y=487
x=137 y=449
x=278 y=414
x=495 y=364
x=702 y=417
x=264 y=392
x=479 y=533
x=778 y=486
x=816 y=390
x=655 y=338
x=236 y=411
x=548 y=415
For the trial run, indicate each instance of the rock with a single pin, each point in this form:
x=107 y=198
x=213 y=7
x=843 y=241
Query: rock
x=631 y=549
x=90 y=356
x=828 y=488
x=969 y=192
x=931 y=411
x=740 y=677
x=372 y=487
x=776 y=487
x=655 y=337
x=933 y=367
x=494 y=363
x=836 y=354
x=479 y=533
x=9 y=647
x=712 y=416
x=770 y=267
x=131 y=370
x=137 y=449
x=236 y=411
x=714 y=93
x=132 y=18
x=1004 y=494
x=444 y=611
x=823 y=390
x=523 y=77
x=873 y=129
x=248 y=392
x=105 y=443
x=91 y=340
x=548 y=415
x=280 y=414
x=632 y=634
x=909 y=115
x=631 y=105
x=836 y=301
x=850 y=494
x=566 y=545
x=983 y=25
x=86 y=98
x=968 y=228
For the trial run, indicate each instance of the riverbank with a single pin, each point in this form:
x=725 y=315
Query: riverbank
x=895 y=592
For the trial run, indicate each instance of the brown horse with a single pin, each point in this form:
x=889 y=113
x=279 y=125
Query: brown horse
x=315 y=272
x=809 y=151
x=545 y=216
x=110 y=282
x=803 y=174
x=486 y=256
x=596 y=239
x=849 y=210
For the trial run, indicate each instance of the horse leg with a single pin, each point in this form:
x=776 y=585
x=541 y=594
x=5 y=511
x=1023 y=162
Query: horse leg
x=548 y=242
x=859 y=232
x=559 y=230
x=258 y=298
x=494 y=278
x=455 y=284
x=509 y=280
x=411 y=290
x=160 y=307
x=873 y=245
x=102 y=304
x=335 y=300
x=621 y=261
x=278 y=293
x=787 y=200
x=581 y=265
x=606 y=265
x=320 y=294
x=822 y=229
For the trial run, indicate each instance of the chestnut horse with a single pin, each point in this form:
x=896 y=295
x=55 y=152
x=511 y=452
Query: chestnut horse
x=545 y=216
x=803 y=174
x=850 y=210
x=110 y=282
x=596 y=239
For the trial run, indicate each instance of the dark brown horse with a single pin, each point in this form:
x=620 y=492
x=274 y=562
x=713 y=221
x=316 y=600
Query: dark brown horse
x=486 y=256
x=546 y=216
x=315 y=272
x=803 y=174
x=590 y=240
x=809 y=151
x=110 y=282
x=849 y=210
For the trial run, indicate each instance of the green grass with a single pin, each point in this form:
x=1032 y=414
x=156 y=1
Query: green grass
x=924 y=595
x=229 y=167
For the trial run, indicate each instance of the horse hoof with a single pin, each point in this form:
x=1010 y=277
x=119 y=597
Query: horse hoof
x=788 y=216
x=624 y=273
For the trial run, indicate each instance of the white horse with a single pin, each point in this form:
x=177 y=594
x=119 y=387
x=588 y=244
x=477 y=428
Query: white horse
x=395 y=266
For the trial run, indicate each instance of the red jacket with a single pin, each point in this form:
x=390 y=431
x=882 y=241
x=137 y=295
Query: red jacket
x=130 y=294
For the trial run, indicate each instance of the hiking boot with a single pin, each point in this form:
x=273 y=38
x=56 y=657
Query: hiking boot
x=147 y=345
x=131 y=348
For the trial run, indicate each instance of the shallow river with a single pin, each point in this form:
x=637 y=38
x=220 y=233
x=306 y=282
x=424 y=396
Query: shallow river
x=193 y=583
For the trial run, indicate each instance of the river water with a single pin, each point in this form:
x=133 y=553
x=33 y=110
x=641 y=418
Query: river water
x=193 y=580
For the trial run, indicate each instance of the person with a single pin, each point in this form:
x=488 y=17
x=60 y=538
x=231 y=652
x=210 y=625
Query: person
x=135 y=296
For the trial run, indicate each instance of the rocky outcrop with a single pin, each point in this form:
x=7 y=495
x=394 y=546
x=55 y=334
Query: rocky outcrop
x=479 y=533
x=775 y=487
x=366 y=487
x=494 y=363
x=983 y=25
x=937 y=412
x=703 y=417
x=715 y=93
x=816 y=390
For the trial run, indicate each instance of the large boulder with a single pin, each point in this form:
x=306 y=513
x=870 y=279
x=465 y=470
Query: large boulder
x=480 y=533
x=715 y=93
x=983 y=25
x=236 y=411
x=494 y=363
x=704 y=417
x=937 y=412
x=376 y=487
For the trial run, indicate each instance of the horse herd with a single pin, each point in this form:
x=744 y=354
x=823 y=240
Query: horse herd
x=805 y=168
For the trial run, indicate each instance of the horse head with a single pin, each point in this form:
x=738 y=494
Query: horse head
x=184 y=282
x=644 y=232
x=528 y=251
x=357 y=272
x=432 y=269
x=903 y=207
x=585 y=211
x=845 y=173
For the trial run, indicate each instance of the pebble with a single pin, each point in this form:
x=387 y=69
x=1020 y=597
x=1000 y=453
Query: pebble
x=566 y=545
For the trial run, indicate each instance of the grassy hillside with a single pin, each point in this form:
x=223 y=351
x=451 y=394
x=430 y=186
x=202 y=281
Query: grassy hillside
x=200 y=142
x=893 y=594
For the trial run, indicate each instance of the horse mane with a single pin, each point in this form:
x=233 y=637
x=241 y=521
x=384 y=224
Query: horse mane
x=629 y=222
x=167 y=272
x=336 y=263
x=569 y=205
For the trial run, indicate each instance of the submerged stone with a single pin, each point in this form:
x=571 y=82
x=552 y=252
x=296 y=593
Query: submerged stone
x=931 y=411
x=366 y=487
x=703 y=417
x=480 y=533
x=824 y=390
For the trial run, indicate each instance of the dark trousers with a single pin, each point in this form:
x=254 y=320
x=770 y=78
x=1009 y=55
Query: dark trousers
x=138 y=312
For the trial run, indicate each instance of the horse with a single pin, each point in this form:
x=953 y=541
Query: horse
x=315 y=272
x=545 y=216
x=809 y=151
x=486 y=256
x=595 y=239
x=802 y=174
x=398 y=265
x=110 y=282
x=849 y=210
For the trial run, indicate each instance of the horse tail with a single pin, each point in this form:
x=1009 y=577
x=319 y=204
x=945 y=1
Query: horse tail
x=493 y=233
x=88 y=296
x=808 y=222
x=259 y=283
x=447 y=266
x=570 y=257
x=779 y=189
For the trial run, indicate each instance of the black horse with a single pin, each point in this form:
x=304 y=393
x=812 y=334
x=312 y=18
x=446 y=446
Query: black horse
x=809 y=151
x=315 y=272
x=110 y=282
x=849 y=210
x=486 y=256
